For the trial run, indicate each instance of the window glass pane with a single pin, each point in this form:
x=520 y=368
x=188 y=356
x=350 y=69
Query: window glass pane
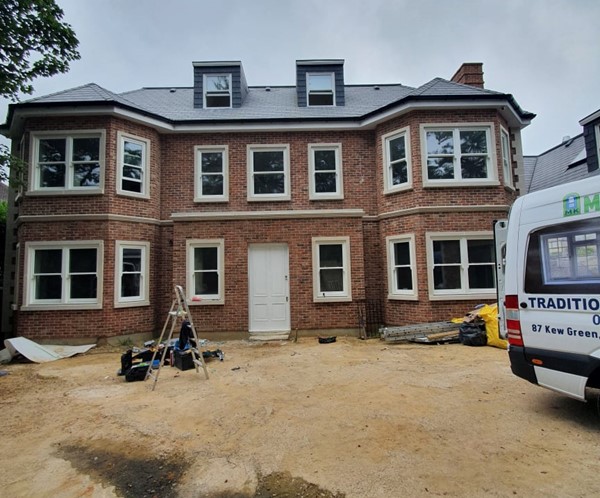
x=86 y=175
x=481 y=277
x=440 y=142
x=82 y=260
x=332 y=280
x=325 y=183
x=83 y=286
x=52 y=150
x=446 y=251
x=86 y=149
x=205 y=258
x=320 y=82
x=268 y=161
x=48 y=287
x=132 y=260
x=52 y=175
x=212 y=162
x=324 y=160
x=217 y=83
x=403 y=278
x=212 y=184
x=269 y=184
x=399 y=173
x=446 y=277
x=206 y=283
x=131 y=285
x=132 y=172
x=47 y=261
x=401 y=253
x=131 y=186
x=320 y=99
x=473 y=167
x=586 y=260
x=132 y=153
x=397 y=148
x=473 y=142
x=331 y=255
x=480 y=251
x=217 y=101
x=440 y=168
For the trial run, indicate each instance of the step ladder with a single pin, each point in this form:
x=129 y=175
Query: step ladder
x=177 y=314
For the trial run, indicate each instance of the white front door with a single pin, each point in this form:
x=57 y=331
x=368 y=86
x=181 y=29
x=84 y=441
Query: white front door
x=268 y=269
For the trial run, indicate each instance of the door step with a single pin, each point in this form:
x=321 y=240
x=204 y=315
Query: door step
x=265 y=336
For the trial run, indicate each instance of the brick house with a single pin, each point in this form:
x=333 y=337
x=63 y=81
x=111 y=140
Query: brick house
x=277 y=208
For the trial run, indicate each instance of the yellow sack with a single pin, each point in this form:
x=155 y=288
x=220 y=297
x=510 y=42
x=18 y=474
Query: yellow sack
x=490 y=317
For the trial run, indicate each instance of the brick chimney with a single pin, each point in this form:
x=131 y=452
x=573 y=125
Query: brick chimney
x=470 y=73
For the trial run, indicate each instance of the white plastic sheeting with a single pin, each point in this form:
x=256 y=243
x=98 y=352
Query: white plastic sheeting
x=36 y=352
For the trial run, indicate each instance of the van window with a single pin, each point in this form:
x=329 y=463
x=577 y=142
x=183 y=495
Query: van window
x=564 y=259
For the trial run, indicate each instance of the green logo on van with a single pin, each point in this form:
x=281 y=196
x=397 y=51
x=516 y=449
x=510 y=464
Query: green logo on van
x=572 y=204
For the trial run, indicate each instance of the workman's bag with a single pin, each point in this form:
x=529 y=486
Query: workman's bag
x=137 y=372
x=471 y=334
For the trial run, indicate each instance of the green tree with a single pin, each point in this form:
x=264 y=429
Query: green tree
x=34 y=42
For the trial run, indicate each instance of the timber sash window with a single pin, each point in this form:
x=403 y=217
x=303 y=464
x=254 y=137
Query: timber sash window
x=133 y=174
x=320 y=88
x=217 y=90
x=461 y=265
x=461 y=155
x=132 y=268
x=325 y=171
x=268 y=172
x=401 y=267
x=205 y=271
x=64 y=274
x=331 y=269
x=70 y=161
x=396 y=158
x=212 y=183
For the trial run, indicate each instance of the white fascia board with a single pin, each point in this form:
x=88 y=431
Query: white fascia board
x=590 y=118
x=271 y=125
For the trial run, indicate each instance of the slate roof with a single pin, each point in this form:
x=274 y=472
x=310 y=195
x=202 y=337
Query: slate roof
x=562 y=164
x=266 y=103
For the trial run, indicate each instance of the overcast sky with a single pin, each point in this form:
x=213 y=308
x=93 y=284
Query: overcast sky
x=546 y=53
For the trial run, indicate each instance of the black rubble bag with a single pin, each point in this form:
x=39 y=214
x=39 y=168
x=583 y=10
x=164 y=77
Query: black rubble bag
x=137 y=372
x=472 y=334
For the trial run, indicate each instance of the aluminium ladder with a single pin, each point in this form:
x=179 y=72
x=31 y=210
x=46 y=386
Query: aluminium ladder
x=179 y=310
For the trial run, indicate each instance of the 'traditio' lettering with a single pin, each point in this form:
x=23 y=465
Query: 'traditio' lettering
x=565 y=303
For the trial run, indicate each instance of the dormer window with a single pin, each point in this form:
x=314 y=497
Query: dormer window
x=320 y=89
x=217 y=90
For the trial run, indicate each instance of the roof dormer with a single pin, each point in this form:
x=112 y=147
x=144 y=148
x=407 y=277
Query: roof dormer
x=219 y=85
x=320 y=83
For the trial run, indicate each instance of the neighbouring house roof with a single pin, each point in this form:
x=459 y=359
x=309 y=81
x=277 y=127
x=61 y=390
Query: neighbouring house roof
x=174 y=105
x=562 y=164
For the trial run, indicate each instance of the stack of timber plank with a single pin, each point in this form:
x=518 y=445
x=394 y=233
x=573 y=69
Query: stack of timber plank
x=420 y=331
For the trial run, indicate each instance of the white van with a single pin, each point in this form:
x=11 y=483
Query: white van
x=548 y=265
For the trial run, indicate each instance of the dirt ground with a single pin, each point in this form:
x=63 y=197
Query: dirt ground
x=352 y=418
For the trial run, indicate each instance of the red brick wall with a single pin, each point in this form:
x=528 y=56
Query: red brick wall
x=172 y=190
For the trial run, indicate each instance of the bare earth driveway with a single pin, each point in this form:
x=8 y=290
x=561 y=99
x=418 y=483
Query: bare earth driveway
x=352 y=418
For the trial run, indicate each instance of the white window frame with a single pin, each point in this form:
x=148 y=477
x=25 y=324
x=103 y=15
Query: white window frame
x=123 y=137
x=144 y=298
x=206 y=93
x=205 y=299
x=393 y=292
x=198 y=151
x=68 y=188
x=308 y=92
x=388 y=186
x=338 y=296
x=251 y=149
x=456 y=128
x=339 y=180
x=507 y=171
x=464 y=292
x=64 y=303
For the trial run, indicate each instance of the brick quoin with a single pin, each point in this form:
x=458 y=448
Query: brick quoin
x=171 y=171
